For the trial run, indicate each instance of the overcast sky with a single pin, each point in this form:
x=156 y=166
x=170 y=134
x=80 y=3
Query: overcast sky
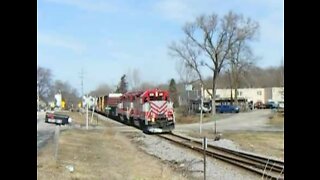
x=107 y=38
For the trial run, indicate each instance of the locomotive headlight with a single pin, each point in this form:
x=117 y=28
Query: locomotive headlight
x=69 y=120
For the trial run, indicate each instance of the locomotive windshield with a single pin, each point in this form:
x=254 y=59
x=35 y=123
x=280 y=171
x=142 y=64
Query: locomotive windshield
x=158 y=98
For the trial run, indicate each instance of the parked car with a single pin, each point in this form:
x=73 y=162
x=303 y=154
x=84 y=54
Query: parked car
x=281 y=104
x=58 y=119
x=259 y=105
x=206 y=108
x=271 y=105
x=227 y=109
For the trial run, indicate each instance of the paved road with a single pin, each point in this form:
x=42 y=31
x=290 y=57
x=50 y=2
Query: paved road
x=44 y=131
x=256 y=120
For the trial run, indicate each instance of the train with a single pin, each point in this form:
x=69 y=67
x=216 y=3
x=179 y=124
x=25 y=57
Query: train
x=150 y=110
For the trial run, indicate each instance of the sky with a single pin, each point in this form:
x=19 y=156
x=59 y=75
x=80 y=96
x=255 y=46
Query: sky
x=108 y=38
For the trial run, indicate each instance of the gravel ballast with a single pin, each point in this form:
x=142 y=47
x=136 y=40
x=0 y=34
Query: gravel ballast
x=191 y=162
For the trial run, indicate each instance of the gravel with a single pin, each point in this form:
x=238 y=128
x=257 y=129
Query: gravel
x=191 y=162
x=226 y=143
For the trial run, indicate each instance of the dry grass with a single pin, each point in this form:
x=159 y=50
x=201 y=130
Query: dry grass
x=181 y=119
x=80 y=118
x=266 y=143
x=204 y=133
x=277 y=119
x=99 y=154
x=182 y=116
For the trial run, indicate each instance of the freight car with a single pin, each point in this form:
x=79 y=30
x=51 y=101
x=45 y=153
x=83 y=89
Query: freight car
x=107 y=104
x=151 y=110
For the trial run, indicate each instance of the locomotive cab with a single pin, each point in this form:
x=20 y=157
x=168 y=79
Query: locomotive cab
x=159 y=114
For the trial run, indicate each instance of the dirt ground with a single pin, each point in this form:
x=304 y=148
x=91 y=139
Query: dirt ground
x=99 y=154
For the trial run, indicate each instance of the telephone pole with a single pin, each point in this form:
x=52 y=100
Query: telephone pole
x=81 y=77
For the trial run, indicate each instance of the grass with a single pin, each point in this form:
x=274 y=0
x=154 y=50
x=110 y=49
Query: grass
x=266 y=143
x=204 y=133
x=99 y=154
x=277 y=119
x=80 y=118
x=188 y=119
x=181 y=119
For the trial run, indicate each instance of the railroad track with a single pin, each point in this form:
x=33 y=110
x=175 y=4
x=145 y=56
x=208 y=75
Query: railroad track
x=266 y=167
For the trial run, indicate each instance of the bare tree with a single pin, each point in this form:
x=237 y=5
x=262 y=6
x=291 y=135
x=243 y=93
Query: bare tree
x=44 y=78
x=163 y=86
x=101 y=90
x=208 y=43
x=282 y=72
x=241 y=58
x=263 y=77
x=147 y=85
x=186 y=74
x=134 y=78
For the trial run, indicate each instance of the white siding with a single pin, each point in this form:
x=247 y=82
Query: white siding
x=252 y=94
x=278 y=94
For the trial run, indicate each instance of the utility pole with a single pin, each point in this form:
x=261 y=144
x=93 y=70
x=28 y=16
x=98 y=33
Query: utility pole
x=81 y=77
x=87 y=122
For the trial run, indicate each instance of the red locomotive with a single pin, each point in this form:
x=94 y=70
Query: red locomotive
x=151 y=110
